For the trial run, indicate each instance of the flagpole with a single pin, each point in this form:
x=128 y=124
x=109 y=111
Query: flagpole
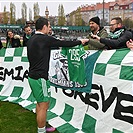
x=103 y=12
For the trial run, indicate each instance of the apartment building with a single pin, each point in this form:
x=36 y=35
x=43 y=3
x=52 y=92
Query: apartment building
x=106 y=11
x=87 y=11
x=121 y=8
x=2 y=17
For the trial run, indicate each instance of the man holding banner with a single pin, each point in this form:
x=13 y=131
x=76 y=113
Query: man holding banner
x=38 y=52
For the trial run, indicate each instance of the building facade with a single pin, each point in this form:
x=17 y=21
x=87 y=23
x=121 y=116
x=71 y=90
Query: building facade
x=105 y=11
x=121 y=8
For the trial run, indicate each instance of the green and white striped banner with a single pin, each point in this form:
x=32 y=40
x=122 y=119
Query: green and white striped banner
x=108 y=108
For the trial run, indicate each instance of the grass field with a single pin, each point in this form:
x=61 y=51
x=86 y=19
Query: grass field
x=15 y=119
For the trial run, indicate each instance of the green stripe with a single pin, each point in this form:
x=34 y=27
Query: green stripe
x=8 y=59
x=2 y=52
x=52 y=103
x=68 y=113
x=18 y=51
x=18 y=100
x=126 y=73
x=117 y=131
x=2 y=98
x=89 y=124
x=24 y=59
x=89 y=67
x=51 y=115
x=31 y=98
x=118 y=56
x=67 y=128
x=30 y=107
x=1 y=87
x=17 y=91
x=100 y=69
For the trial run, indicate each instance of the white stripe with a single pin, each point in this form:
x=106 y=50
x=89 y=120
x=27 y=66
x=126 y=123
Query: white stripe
x=44 y=87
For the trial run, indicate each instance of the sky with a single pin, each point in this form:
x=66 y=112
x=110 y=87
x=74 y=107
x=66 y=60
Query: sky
x=69 y=5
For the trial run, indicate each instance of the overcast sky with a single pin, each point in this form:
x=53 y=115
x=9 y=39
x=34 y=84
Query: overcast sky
x=69 y=5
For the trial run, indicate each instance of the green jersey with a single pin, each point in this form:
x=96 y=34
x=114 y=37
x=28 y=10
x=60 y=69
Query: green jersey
x=76 y=64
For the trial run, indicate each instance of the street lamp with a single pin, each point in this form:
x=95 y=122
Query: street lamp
x=103 y=12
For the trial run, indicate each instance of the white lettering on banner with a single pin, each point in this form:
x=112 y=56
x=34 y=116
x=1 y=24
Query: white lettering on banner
x=65 y=83
x=61 y=82
x=77 y=85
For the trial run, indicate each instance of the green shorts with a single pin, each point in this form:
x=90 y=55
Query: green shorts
x=40 y=89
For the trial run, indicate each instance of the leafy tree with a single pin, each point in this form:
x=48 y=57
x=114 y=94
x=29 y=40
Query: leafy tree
x=5 y=16
x=12 y=13
x=36 y=11
x=78 y=18
x=128 y=23
x=104 y=22
x=71 y=21
x=19 y=21
x=30 y=14
x=61 y=15
x=24 y=12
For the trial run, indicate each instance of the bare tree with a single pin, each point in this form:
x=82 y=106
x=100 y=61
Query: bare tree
x=78 y=18
x=128 y=23
x=36 y=11
x=24 y=12
x=12 y=13
x=61 y=15
x=30 y=14
x=5 y=16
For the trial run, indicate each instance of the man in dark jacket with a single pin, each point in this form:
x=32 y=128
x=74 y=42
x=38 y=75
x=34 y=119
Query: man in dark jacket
x=28 y=33
x=118 y=35
x=96 y=29
x=38 y=53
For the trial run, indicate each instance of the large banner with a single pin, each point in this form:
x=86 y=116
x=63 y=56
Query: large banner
x=106 y=105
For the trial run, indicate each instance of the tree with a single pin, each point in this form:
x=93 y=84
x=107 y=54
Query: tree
x=104 y=22
x=30 y=14
x=12 y=13
x=78 y=17
x=128 y=23
x=36 y=11
x=61 y=15
x=5 y=16
x=19 y=21
x=71 y=20
x=24 y=12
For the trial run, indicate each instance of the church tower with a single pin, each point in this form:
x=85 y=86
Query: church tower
x=46 y=12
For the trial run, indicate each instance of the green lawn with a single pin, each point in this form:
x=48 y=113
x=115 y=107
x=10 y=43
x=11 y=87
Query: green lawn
x=15 y=119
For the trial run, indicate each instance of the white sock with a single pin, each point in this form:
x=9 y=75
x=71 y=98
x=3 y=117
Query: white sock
x=42 y=130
